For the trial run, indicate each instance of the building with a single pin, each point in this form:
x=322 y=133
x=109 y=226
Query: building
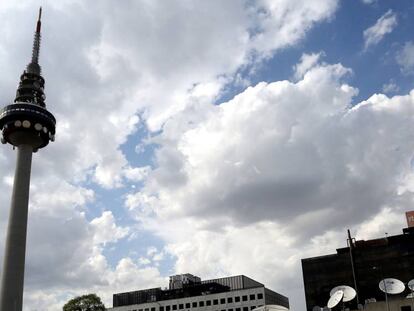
x=187 y=292
x=373 y=260
x=28 y=126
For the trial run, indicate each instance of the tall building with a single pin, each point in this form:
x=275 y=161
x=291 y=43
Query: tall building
x=27 y=126
x=372 y=260
x=187 y=292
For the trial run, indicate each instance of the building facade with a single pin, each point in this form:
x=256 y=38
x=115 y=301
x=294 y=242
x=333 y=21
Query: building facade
x=373 y=260
x=189 y=293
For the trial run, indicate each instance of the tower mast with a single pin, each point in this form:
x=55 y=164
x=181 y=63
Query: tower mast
x=27 y=126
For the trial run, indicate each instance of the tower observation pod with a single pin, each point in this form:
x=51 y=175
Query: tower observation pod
x=27 y=126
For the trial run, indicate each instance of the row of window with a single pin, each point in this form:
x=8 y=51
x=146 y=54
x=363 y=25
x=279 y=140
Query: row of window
x=231 y=309
x=214 y=302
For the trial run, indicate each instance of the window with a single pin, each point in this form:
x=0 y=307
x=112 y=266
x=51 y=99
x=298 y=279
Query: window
x=230 y=300
x=237 y=309
x=146 y=309
x=140 y=310
x=222 y=301
x=252 y=307
x=245 y=308
x=153 y=309
x=174 y=307
x=181 y=306
x=215 y=301
x=167 y=308
x=230 y=310
x=201 y=303
x=161 y=308
x=405 y=308
x=252 y=297
x=237 y=299
x=194 y=304
x=244 y=298
x=187 y=305
x=260 y=296
x=208 y=303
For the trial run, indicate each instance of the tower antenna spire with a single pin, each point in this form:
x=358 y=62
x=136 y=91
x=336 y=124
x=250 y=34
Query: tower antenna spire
x=34 y=64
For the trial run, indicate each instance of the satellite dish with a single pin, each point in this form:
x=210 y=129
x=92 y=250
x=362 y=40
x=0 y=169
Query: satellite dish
x=411 y=285
x=335 y=299
x=391 y=286
x=349 y=292
x=271 y=308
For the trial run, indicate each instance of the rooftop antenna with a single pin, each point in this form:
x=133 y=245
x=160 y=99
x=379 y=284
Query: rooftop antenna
x=351 y=245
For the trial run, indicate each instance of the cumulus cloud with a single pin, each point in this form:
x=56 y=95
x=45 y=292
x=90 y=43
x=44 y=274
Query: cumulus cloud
x=405 y=58
x=383 y=26
x=106 y=229
x=307 y=61
x=105 y=78
x=287 y=164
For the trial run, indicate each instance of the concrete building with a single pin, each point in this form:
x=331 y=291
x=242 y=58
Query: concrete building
x=361 y=265
x=187 y=292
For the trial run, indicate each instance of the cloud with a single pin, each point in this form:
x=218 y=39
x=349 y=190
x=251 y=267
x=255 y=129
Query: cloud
x=307 y=61
x=369 y=1
x=106 y=229
x=105 y=79
x=65 y=258
x=405 y=58
x=383 y=26
x=390 y=87
x=287 y=164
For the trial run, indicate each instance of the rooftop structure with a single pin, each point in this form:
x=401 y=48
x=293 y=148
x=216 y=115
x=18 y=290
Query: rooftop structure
x=190 y=293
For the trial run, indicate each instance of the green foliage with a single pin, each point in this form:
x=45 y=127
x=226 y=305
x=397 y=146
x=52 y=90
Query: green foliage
x=90 y=302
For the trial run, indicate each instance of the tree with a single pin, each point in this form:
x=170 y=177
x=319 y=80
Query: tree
x=90 y=302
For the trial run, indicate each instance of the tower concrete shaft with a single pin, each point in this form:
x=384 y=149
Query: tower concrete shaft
x=12 y=282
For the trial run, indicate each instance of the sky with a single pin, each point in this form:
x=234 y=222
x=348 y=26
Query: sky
x=209 y=137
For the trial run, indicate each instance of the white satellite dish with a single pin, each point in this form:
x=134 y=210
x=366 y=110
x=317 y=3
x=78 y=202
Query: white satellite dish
x=411 y=285
x=391 y=286
x=335 y=299
x=271 y=308
x=349 y=292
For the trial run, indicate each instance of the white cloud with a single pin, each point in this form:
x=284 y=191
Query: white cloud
x=383 y=26
x=292 y=165
x=405 y=58
x=106 y=230
x=137 y=173
x=390 y=87
x=369 y=1
x=102 y=73
x=307 y=61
